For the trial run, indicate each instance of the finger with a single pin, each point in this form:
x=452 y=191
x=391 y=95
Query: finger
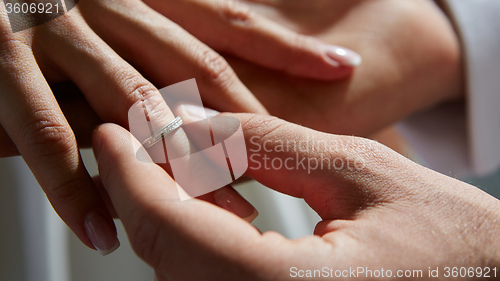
x=257 y=39
x=119 y=93
x=156 y=225
x=81 y=117
x=167 y=54
x=226 y=197
x=128 y=96
x=112 y=87
x=330 y=172
x=33 y=120
x=174 y=237
x=191 y=114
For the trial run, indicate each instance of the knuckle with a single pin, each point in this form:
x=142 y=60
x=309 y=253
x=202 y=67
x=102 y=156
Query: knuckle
x=138 y=89
x=214 y=67
x=154 y=104
x=48 y=134
x=235 y=13
x=262 y=126
x=140 y=92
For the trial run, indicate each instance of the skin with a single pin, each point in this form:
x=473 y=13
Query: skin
x=409 y=64
x=388 y=213
x=118 y=53
x=402 y=73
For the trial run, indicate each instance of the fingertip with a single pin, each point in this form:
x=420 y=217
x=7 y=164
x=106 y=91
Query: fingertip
x=111 y=138
x=117 y=149
x=100 y=137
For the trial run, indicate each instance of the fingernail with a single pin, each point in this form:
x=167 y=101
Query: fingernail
x=231 y=200
x=342 y=56
x=197 y=113
x=101 y=234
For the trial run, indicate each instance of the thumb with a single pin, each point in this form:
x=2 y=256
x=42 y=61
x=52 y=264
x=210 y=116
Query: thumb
x=165 y=232
x=334 y=174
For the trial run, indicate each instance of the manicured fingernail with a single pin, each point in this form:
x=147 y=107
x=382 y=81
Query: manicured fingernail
x=197 y=113
x=342 y=56
x=101 y=234
x=231 y=200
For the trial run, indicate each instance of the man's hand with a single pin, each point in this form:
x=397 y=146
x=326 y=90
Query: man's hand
x=411 y=61
x=379 y=210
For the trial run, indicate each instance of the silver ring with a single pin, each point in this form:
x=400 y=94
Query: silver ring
x=163 y=132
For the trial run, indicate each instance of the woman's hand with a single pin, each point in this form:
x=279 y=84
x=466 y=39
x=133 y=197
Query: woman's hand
x=98 y=46
x=411 y=61
x=379 y=210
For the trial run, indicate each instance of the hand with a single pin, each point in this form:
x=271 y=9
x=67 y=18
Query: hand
x=379 y=210
x=94 y=46
x=409 y=64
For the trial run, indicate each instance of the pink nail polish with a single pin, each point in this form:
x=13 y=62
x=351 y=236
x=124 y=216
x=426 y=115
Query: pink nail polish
x=101 y=234
x=343 y=56
x=231 y=200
